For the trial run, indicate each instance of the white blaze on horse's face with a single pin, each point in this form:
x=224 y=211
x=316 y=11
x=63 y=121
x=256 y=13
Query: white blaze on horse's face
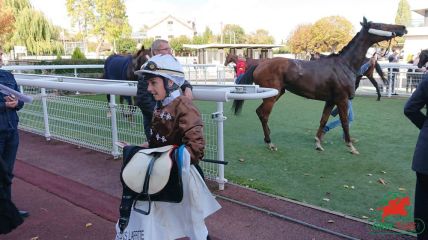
x=156 y=88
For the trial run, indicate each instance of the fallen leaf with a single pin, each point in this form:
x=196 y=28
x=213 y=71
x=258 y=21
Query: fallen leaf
x=371 y=209
x=345 y=186
x=88 y=225
x=381 y=181
x=306 y=174
x=330 y=221
x=352 y=187
x=326 y=199
x=401 y=189
x=251 y=179
x=383 y=172
x=364 y=217
x=241 y=160
x=369 y=174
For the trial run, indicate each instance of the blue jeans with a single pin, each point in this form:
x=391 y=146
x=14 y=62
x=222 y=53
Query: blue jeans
x=337 y=122
x=9 y=141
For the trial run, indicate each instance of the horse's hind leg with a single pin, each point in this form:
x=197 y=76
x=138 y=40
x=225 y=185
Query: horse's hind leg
x=373 y=81
x=324 y=118
x=263 y=111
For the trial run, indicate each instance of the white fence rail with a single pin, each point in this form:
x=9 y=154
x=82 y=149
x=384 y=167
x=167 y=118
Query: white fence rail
x=62 y=115
x=195 y=73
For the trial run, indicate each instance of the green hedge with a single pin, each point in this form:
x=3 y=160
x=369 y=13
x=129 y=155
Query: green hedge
x=95 y=71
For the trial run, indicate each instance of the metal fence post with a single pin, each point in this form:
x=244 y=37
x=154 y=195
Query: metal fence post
x=220 y=118
x=114 y=133
x=45 y=114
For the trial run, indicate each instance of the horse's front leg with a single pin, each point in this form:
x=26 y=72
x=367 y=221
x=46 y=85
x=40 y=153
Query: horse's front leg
x=345 y=109
x=263 y=112
x=324 y=118
x=373 y=81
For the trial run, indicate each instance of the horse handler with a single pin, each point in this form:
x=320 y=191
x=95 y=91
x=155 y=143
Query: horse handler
x=176 y=121
x=413 y=110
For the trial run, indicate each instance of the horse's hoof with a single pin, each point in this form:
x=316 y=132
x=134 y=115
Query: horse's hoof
x=354 y=151
x=272 y=147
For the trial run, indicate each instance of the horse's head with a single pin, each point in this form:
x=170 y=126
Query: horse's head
x=423 y=58
x=381 y=31
x=230 y=58
x=138 y=59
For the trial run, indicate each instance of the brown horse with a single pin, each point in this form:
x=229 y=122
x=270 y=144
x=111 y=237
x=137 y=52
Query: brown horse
x=331 y=79
x=367 y=69
x=122 y=67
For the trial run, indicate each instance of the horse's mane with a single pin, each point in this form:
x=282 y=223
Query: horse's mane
x=345 y=47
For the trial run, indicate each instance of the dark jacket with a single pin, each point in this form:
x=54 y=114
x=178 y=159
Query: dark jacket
x=145 y=100
x=8 y=117
x=179 y=123
x=413 y=110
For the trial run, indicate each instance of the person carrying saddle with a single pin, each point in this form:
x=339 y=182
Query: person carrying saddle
x=176 y=121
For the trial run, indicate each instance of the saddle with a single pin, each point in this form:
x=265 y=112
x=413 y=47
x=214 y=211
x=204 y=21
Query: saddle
x=149 y=175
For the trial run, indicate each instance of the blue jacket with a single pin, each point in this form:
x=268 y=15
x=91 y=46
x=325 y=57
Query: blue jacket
x=8 y=117
x=415 y=110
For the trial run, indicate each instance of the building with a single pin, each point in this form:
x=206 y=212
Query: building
x=215 y=53
x=417 y=37
x=170 y=27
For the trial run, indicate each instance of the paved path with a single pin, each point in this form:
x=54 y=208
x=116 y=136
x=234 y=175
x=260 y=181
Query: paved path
x=73 y=193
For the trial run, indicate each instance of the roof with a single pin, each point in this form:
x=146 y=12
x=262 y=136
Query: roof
x=225 y=45
x=189 y=26
x=421 y=11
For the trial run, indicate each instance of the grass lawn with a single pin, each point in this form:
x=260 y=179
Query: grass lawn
x=333 y=179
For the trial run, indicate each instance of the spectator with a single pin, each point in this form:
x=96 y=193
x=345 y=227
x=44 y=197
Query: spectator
x=144 y=99
x=393 y=72
x=9 y=137
x=414 y=111
x=241 y=67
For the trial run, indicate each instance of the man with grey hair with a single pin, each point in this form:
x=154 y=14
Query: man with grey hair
x=144 y=99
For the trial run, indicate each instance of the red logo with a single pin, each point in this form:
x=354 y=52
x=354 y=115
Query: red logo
x=395 y=206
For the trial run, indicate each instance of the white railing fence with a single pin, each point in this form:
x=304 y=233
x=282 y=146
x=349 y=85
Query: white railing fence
x=195 y=73
x=58 y=113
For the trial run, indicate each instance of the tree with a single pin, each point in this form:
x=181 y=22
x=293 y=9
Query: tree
x=298 y=42
x=77 y=54
x=6 y=21
x=33 y=30
x=403 y=16
x=177 y=44
x=126 y=45
x=330 y=34
x=105 y=19
x=261 y=36
x=18 y=5
x=233 y=33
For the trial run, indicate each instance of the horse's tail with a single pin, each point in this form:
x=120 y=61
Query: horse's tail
x=380 y=72
x=247 y=78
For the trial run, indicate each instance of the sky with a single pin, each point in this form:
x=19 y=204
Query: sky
x=278 y=17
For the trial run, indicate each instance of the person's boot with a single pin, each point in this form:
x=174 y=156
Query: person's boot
x=125 y=211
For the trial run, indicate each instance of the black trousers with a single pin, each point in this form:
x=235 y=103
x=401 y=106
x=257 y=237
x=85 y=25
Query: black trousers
x=421 y=205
